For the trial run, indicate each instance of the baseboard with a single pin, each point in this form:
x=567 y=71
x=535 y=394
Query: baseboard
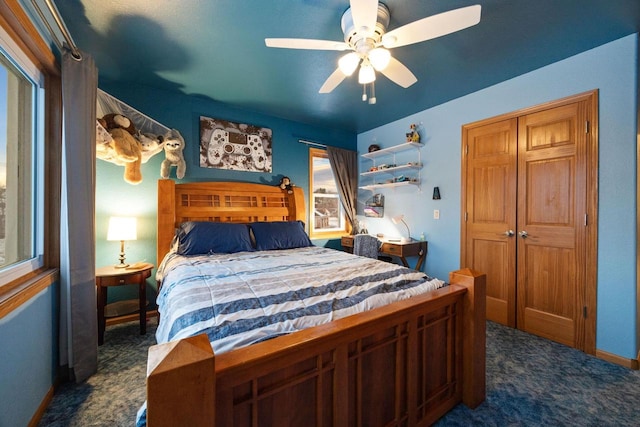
x=151 y=314
x=618 y=360
x=37 y=416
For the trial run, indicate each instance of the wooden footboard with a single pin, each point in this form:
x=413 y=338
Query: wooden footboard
x=403 y=364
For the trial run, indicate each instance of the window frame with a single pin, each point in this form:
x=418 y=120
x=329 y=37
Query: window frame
x=313 y=233
x=16 y=24
x=31 y=73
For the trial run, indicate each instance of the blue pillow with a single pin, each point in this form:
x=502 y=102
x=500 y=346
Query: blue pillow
x=197 y=238
x=280 y=235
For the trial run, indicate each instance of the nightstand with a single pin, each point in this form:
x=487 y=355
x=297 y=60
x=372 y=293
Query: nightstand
x=112 y=276
x=398 y=249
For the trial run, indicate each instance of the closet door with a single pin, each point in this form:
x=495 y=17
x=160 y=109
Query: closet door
x=551 y=222
x=489 y=209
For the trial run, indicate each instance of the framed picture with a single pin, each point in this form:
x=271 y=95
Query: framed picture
x=234 y=146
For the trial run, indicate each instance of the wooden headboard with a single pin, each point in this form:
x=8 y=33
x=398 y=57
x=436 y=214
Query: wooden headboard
x=222 y=202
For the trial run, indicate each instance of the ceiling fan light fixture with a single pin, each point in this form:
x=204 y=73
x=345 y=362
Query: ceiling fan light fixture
x=367 y=74
x=379 y=58
x=364 y=26
x=348 y=63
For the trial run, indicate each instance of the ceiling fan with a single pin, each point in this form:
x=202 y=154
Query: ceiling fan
x=364 y=25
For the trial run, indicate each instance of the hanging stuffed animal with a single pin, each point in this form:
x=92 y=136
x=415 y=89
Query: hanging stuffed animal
x=125 y=147
x=150 y=145
x=173 y=152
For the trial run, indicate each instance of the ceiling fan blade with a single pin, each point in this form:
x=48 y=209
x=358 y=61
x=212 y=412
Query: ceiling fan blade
x=364 y=14
x=398 y=73
x=433 y=26
x=333 y=81
x=306 y=44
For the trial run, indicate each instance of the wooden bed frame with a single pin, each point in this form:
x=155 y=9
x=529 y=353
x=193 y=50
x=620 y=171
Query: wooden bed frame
x=404 y=364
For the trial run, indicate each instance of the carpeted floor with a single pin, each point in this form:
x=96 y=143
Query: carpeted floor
x=535 y=382
x=530 y=382
x=113 y=395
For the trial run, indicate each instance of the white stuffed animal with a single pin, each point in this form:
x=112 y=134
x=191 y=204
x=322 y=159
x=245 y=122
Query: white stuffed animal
x=173 y=153
x=150 y=145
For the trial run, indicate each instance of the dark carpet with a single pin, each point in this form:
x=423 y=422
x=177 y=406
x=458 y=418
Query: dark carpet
x=530 y=382
x=114 y=394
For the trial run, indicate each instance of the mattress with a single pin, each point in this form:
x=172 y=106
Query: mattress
x=246 y=297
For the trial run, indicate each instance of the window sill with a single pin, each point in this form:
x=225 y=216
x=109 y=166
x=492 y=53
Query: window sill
x=13 y=295
x=324 y=236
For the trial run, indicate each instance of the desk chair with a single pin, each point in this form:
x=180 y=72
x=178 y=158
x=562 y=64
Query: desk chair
x=366 y=245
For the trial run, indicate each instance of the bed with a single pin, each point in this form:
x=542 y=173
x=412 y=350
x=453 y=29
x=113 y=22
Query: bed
x=402 y=361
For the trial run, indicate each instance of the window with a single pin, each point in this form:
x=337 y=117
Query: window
x=325 y=210
x=21 y=163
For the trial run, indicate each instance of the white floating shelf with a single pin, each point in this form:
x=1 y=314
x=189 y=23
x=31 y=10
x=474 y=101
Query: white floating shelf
x=392 y=150
x=388 y=184
x=391 y=170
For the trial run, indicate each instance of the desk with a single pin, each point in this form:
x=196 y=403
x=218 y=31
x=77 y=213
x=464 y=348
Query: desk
x=397 y=249
x=112 y=276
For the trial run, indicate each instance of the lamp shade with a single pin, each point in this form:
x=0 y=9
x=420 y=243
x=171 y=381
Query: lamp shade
x=379 y=58
x=348 y=63
x=397 y=219
x=122 y=228
x=366 y=74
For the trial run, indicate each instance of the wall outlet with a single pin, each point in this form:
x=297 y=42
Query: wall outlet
x=436 y=214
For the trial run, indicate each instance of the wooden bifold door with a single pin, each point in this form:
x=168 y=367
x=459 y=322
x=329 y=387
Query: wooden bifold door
x=529 y=217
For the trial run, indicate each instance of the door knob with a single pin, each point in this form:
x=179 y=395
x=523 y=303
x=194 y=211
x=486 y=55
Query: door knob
x=523 y=234
x=509 y=233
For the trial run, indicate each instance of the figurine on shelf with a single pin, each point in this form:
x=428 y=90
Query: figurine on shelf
x=413 y=136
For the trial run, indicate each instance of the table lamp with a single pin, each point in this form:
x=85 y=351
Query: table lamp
x=400 y=219
x=122 y=228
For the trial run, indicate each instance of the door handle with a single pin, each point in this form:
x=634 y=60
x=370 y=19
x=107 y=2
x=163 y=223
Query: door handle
x=509 y=233
x=523 y=234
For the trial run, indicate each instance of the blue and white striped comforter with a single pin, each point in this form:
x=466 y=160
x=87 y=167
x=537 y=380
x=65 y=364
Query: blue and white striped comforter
x=242 y=298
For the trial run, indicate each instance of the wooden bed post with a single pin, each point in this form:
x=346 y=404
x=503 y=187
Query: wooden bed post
x=474 y=346
x=181 y=383
x=296 y=209
x=166 y=217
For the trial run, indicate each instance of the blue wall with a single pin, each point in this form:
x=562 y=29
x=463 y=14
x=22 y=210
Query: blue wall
x=612 y=69
x=182 y=112
x=28 y=351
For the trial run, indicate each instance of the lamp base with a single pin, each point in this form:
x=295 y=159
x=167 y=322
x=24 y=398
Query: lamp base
x=406 y=240
x=122 y=257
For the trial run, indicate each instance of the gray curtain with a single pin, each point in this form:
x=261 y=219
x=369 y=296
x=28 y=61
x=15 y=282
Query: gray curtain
x=78 y=323
x=344 y=164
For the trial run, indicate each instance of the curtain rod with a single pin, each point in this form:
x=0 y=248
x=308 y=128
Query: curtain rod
x=75 y=52
x=320 y=145
x=316 y=144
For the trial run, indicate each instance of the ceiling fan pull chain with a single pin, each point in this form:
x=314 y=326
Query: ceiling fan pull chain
x=372 y=98
x=364 y=93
